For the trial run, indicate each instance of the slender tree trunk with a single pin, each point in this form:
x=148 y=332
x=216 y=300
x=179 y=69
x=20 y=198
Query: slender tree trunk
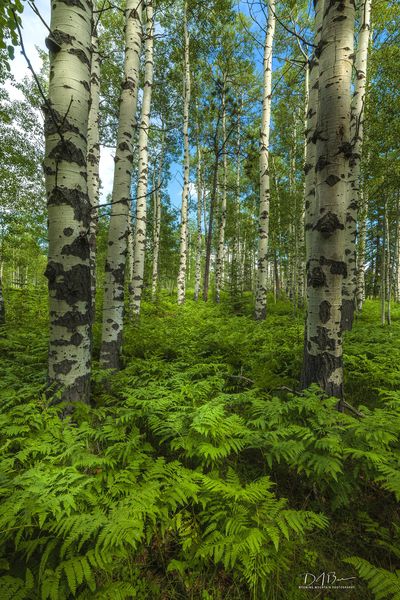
x=113 y=308
x=211 y=220
x=397 y=251
x=93 y=161
x=222 y=217
x=2 y=305
x=388 y=271
x=261 y=285
x=68 y=268
x=301 y=263
x=199 y=210
x=186 y=166
x=383 y=268
x=323 y=352
x=362 y=238
x=157 y=223
x=141 y=194
x=235 y=266
x=356 y=132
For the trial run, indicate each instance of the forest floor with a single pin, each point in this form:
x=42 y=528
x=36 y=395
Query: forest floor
x=197 y=473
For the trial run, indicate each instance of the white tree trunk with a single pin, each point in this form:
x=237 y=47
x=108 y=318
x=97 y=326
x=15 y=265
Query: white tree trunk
x=261 y=285
x=357 y=127
x=65 y=167
x=199 y=211
x=186 y=164
x=93 y=160
x=141 y=194
x=219 y=267
x=157 y=224
x=326 y=267
x=113 y=307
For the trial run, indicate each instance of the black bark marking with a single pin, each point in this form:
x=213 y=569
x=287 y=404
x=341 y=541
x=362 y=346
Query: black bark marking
x=68 y=231
x=68 y=151
x=74 y=198
x=347 y=314
x=63 y=367
x=79 y=247
x=325 y=311
x=72 y=285
x=316 y=278
x=322 y=339
x=72 y=319
x=332 y=180
x=80 y=54
x=328 y=224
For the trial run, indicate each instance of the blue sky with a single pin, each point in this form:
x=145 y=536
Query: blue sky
x=34 y=34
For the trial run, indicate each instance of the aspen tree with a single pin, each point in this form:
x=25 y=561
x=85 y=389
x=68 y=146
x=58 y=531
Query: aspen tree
x=323 y=352
x=222 y=217
x=356 y=132
x=311 y=127
x=65 y=167
x=113 y=308
x=157 y=222
x=141 y=195
x=2 y=305
x=362 y=239
x=183 y=246
x=93 y=158
x=199 y=207
x=262 y=257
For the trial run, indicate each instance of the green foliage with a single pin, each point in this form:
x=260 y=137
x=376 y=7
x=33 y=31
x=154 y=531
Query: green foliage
x=195 y=476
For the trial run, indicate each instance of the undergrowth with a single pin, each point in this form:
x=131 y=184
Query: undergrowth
x=197 y=473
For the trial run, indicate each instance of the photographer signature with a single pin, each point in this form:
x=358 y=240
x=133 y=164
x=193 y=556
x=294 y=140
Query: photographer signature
x=324 y=579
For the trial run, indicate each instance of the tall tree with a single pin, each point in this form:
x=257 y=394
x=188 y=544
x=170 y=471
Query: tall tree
x=65 y=166
x=113 y=307
x=354 y=195
x=183 y=248
x=219 y=267
x=141 y=194
x=262 y=257
x=93 y=158
x=326 y=267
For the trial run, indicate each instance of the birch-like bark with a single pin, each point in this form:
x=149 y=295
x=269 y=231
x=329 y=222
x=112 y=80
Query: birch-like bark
x=301 y=262
x=235 y=264
x=262 y=257
x=326 y=267
x=311 y=131
x=141 y=194
x=199 y=211
x=356 y=131
x=93 y=160
x=362 y=239
x=186 y=164
x=65 y=167
x=157 y=223
x=219 y=267
x=2 y=305
x=213 y=198
x=113 y=307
